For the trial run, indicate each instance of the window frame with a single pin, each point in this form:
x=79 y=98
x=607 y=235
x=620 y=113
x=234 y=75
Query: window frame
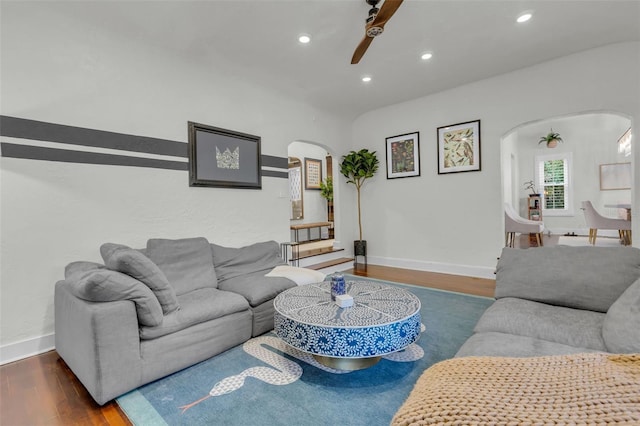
x=568 y=184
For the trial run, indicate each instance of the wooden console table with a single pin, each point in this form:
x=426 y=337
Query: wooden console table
x=308 y=227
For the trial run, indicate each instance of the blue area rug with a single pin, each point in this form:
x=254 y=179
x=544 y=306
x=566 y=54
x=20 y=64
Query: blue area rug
x=268 y=383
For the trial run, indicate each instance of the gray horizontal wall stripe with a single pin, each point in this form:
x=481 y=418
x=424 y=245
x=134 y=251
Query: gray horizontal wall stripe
x=39 y=130
x=273 y=173
x=278 y=162
x=22 y=128
x=67 y=156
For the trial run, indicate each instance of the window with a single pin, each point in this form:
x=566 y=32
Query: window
x=553 y=175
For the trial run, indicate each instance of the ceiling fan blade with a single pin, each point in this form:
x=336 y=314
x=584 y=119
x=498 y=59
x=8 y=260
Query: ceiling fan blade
x=361 y=49
x=389 y=7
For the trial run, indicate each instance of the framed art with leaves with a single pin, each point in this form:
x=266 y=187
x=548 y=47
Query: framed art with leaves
x=403 y=155
x=459 y=147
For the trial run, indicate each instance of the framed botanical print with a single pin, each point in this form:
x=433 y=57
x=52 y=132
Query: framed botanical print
x=403 y=155
x=459 y=147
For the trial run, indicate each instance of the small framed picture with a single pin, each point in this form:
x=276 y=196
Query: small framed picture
x=459 y=147
x=403 y=155
x=313 y=173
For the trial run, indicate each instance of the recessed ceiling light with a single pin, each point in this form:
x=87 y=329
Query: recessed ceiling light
x=426 y=56
x=366 y=79
x=524 y=17
x=304 y=38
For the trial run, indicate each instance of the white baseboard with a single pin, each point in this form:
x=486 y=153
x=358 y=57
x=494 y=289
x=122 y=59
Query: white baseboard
x=20 y=350
x=443 y=268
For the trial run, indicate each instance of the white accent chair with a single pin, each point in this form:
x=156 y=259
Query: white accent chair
x=596 y=221
x=514 y=223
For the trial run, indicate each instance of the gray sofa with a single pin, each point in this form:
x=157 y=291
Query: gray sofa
x=561 y=300
x=147 y=313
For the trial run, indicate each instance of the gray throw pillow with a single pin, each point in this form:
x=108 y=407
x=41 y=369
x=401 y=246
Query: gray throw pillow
x=104 y=285
x=621 y=327
x=124 y=259
x=187 y=263
x=233 y=262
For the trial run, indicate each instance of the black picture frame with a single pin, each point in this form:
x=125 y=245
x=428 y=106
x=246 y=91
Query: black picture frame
x=459 y=148
x=223 y=158
x=403 y=155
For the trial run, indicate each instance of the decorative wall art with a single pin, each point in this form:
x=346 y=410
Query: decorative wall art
x=459 y=147
x=615 y=176
x=313 y=173
x=403 y=155
x=223 y=158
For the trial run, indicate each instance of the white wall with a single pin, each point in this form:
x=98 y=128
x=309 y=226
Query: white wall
x=438 y=220
x=58 y=70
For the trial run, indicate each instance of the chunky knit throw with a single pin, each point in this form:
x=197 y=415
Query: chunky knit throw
x=580 y=389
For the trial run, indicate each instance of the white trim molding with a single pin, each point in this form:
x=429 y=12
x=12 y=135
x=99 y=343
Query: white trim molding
x=442 y=268
x=27 y=348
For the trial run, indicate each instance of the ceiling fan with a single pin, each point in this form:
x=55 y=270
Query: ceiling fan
x=375 y=24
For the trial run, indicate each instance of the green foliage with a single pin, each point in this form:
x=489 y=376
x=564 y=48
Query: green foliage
x=549 y=137
x=357 y=167
x=326 y=189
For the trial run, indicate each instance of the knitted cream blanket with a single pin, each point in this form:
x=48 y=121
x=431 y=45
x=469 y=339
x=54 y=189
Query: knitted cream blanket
x=581 y=389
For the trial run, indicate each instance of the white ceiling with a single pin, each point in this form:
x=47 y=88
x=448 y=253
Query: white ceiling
x=471 y=40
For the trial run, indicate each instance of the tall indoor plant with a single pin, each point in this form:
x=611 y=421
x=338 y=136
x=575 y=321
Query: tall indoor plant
x=357 y=167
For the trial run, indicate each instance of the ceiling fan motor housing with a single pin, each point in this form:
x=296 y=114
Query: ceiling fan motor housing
x=374 y=31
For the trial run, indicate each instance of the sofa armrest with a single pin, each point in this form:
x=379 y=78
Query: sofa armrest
x=99 y=342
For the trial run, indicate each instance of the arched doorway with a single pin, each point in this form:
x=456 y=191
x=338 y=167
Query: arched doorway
x=591 y=140
x=308 y=186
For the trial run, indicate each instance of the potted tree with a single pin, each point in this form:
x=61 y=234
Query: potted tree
x=551 y=139
x=357 y=167
x=326 y=192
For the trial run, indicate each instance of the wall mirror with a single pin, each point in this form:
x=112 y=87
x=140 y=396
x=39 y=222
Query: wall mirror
x=295 y=188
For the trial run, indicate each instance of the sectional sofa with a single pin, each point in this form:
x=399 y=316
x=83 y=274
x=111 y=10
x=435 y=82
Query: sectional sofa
x=560 y=345
x=147 y=313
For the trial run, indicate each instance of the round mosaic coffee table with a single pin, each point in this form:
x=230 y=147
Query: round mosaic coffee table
x=382 y=320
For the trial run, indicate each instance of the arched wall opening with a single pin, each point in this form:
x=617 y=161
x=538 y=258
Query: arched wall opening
x=590 y=140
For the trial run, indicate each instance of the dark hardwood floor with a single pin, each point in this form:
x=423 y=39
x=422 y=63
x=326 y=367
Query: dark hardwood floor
x=41 y=390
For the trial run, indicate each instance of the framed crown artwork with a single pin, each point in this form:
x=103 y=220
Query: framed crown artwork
x=223 y=158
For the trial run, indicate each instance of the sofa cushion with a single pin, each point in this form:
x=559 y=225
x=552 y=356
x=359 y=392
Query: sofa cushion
x=196 y=307
x=123 y=259
x=104 y=285
x=300 y=276
x=257 y=288
x=621 y=328
x=573 y=327
x=578 y=277
x=511 y=345
x=187 y=263
x=232 y=262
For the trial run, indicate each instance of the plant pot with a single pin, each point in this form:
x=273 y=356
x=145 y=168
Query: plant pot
x=360 y=248
x=552 y=143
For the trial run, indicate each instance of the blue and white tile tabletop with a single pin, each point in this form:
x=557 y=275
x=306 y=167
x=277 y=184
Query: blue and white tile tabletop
x=382 y=320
